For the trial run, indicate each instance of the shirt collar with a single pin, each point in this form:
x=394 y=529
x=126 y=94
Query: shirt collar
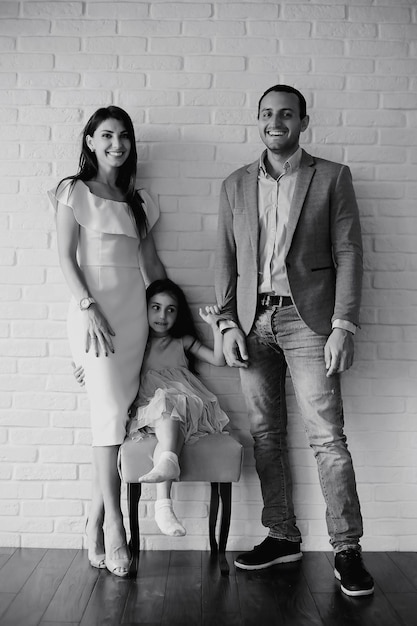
x=291 y=165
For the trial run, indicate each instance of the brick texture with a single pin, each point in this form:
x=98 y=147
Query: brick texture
x=190 y=74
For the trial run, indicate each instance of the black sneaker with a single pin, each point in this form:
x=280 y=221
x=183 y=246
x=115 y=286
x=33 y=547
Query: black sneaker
x=269 y=552
x=350 y=570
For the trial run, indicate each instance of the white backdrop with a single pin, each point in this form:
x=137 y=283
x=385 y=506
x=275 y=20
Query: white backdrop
x=190 y=74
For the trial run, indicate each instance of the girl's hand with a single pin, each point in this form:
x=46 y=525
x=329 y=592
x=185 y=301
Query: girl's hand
x=99 y=332
x=211 y=315
x=79 y=374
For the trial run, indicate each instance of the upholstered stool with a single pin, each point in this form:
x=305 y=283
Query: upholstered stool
x=214 y=458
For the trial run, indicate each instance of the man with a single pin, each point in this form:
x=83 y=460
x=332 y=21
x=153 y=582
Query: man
x=288 y=280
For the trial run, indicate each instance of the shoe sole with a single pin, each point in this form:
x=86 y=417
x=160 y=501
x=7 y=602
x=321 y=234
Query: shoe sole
x=289 y=558
x=353 y=594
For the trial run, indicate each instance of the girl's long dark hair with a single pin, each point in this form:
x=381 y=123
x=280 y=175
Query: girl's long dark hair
x=126 y=179
x=184 y=324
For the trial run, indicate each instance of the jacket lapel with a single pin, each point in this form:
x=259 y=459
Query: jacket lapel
x=250 y=191
x=305 y=174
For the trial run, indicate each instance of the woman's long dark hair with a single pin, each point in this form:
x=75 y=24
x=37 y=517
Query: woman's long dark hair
x=126 y=179
x=184 y=324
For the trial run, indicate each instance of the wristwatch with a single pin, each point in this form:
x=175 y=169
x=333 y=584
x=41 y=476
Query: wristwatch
x=85 y=303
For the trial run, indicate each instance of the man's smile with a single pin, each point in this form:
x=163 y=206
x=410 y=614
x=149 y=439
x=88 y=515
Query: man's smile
x=276 y=133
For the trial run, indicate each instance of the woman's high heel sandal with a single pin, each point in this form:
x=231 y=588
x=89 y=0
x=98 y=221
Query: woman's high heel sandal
x=118 y=567
x=97 y=560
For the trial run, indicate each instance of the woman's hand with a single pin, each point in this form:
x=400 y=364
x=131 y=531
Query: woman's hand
x=133 y=409
x=79 y=374
x=99 y=332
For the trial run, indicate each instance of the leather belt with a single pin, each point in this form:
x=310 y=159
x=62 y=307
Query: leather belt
x=267 y=300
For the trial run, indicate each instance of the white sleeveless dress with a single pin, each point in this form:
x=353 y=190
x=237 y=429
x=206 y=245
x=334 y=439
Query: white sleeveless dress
x=108 y=254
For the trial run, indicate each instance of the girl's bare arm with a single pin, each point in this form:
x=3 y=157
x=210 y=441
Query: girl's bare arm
x=214 y=356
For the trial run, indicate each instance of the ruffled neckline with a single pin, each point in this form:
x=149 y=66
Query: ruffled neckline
x=99 y=214
x=101 y=197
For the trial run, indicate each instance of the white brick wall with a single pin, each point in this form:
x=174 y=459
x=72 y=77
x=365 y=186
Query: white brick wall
x=190 y=74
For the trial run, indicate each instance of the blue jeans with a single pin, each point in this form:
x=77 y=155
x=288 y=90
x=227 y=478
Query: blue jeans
x=279 y=338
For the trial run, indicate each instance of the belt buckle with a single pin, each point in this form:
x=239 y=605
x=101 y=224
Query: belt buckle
x=266 y=301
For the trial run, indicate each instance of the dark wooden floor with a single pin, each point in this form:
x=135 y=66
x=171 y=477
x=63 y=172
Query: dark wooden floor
x=58 y=587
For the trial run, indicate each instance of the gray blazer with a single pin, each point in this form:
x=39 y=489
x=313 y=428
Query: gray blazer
x=323 y=246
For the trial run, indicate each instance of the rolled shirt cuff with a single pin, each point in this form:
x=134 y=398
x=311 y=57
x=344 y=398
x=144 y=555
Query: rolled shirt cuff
x=226 y=324
x=345 y=325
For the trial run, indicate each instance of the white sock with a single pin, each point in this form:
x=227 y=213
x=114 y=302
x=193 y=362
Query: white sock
x=167 y=468
x=166 y=519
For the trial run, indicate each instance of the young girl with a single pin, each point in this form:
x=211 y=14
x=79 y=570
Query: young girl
x=172 y=403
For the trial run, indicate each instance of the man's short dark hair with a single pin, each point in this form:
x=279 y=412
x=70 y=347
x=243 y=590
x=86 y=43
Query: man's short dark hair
x=287 y=89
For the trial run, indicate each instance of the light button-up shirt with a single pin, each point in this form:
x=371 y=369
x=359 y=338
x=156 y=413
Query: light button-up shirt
x=274 y=203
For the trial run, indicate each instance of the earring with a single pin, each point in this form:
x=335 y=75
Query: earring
x=92 y=149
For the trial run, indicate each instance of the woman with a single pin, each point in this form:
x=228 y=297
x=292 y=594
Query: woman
x=106 y=253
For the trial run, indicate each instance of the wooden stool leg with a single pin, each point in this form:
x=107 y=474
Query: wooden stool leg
x=226 y=497
x=214 y=509
x=134 y=491
x=225 y=490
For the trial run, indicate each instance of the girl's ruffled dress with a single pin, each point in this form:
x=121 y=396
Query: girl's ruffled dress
x=169 y=389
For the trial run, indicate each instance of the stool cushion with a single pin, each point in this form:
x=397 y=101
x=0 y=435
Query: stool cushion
x=213 y=458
